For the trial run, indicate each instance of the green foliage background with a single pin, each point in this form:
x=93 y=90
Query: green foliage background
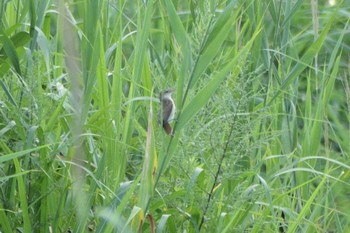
x=262 y=133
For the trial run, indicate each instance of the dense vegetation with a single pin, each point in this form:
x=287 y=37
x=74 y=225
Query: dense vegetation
x=261 y=139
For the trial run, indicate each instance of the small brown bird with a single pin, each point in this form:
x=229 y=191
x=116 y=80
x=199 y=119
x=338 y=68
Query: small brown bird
x=167 y=110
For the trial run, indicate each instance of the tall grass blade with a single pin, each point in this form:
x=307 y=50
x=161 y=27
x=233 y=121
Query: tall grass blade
x=306 y=208
x=182 y=39
x=10 y=50
x=234 y=66
x=306 y=59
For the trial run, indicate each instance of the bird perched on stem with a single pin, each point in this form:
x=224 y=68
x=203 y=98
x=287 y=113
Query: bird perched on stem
x=167 y=110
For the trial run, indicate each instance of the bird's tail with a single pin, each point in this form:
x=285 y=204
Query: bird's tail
x=167 y=128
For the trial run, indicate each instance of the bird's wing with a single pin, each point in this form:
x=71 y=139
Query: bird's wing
x=167 y=109
x=167 y=128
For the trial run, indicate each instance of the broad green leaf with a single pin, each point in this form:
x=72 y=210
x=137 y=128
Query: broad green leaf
x=18 y=154
x=149 y=165
x=19 y=39
x=10 y=50
x=162 y=223
x=316 y=130
x=192 y=184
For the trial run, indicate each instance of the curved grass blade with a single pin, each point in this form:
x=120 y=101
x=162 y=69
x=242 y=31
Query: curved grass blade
x=10 y=50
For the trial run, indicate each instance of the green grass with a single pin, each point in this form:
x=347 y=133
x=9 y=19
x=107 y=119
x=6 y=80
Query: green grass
x=262 y=133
